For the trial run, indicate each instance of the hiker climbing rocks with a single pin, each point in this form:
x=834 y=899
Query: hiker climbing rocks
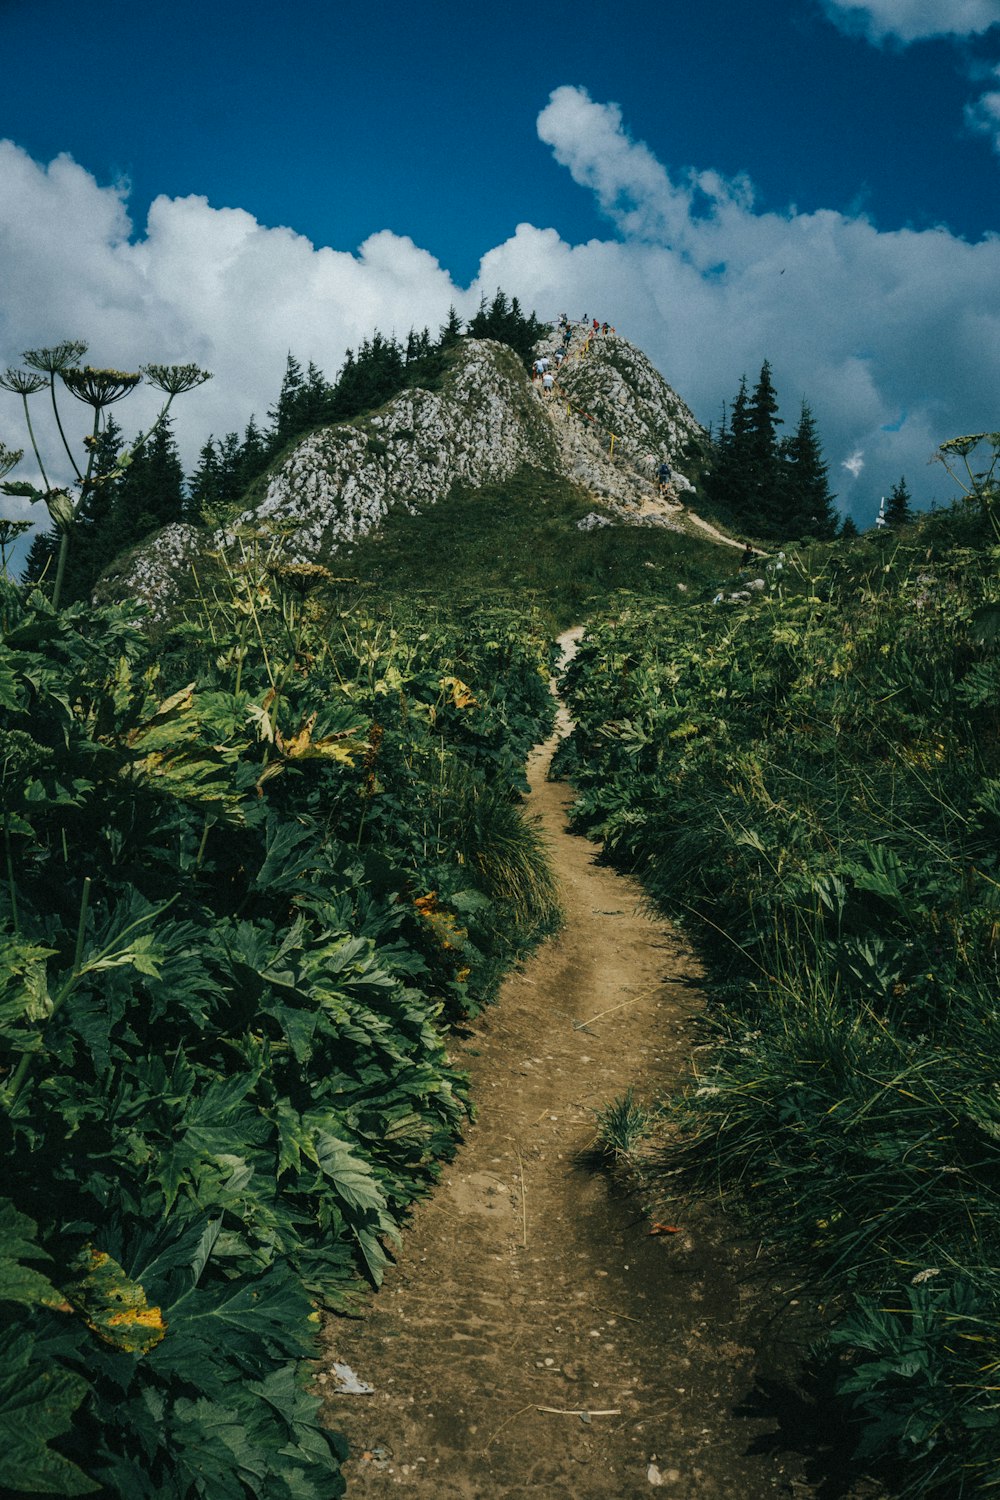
x=548 y=383
x=663 y=475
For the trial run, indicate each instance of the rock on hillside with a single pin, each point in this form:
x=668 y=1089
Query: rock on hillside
x=484 y=422
x=612 y=382
x=338 y=483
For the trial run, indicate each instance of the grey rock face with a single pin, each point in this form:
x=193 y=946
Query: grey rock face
x=612 y=382
x=485 y=422
x=339 y=483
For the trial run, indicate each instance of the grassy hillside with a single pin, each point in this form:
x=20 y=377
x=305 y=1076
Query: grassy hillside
x=518 y=542
x=810 y=777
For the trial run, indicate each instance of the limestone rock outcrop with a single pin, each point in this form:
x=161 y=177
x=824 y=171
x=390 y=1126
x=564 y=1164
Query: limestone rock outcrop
x=486 y=420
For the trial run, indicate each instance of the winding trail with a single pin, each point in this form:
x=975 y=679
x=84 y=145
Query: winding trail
x=528 y=1290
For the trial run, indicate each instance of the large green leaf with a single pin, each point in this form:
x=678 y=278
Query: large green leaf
x=37 y=1400
x=20 y=1282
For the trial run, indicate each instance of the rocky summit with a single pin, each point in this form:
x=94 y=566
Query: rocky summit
x=606 y=424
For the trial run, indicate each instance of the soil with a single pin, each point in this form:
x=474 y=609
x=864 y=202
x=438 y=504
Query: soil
x=534 y=1338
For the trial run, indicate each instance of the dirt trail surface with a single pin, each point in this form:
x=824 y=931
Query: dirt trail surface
x=533 y=1338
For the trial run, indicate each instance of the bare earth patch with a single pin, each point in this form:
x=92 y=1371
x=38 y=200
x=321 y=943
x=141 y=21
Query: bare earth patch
x=534 y=1338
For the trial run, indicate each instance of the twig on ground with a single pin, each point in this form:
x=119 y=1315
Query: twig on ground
x=557 y=1411
x=612 y=1314
x=582 y=1025
x=500 y=1429
x=524 y=1198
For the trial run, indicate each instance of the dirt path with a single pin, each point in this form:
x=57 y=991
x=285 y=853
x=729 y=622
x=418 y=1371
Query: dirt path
x=528 y=1290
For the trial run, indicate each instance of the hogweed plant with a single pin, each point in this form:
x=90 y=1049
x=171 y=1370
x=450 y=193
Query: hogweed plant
x=979 y=484
x=98 y=389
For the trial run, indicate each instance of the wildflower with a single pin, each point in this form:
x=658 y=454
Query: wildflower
x=99 y=387
x=56 y=359
x=174 y=380
x=9 y=459
x=21 y=382
x=302 y=576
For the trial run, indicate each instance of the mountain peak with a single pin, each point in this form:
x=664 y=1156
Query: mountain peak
x=606 y=424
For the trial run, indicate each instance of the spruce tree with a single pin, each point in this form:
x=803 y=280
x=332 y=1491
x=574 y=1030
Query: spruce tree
x=848 y=530
x=806 y=502
x=150 y=493
x=41 y=559
x=764 y=470
x=451 y=331
x=283 y=414
x=370 y=378
x=203 y=486
x=899 y=511
x=253 y=454
x=727 y=482
x=503 y=320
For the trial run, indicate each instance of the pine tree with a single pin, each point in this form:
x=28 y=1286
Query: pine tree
x=806 y=502
x=253 y=454
x=764 y=472
x=503 y=320
x=283 y=415
x=150 y=493
x=41 y=558
x=848 y=530
x=728 y=480
x=451 y=331
x=370 y=378
x=899 y=511
x=203 y=486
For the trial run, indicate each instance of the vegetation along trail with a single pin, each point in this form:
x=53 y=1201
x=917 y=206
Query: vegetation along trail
x=534 y=1337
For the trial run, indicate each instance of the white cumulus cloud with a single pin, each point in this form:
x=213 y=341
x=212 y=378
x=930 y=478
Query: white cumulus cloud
x=984 y=114
x=914 y=20
x=867 y=325
x=894 y=338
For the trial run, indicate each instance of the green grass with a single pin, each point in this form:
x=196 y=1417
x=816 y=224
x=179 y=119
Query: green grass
x=518 y=542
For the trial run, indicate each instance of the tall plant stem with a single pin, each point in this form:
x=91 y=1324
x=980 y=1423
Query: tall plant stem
x=34 y=445
x=84 y=488
x=55 y=408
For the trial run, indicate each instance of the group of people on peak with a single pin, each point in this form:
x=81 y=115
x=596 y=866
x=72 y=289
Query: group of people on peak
x=540 y=371
x=592 y=325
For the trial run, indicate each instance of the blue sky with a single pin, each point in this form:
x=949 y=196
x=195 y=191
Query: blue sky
x=808 y=181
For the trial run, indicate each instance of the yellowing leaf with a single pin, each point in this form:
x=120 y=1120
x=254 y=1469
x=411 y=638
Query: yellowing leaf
x=342 y=746
x=114 y=1306
x=461 y=696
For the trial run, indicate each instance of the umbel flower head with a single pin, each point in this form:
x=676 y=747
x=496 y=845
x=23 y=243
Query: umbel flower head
x=60 y=357
x=9 y=459
x=302 y=577
x=174 y=380
x=23 y=382
x=99 y=387
x=11 y=530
